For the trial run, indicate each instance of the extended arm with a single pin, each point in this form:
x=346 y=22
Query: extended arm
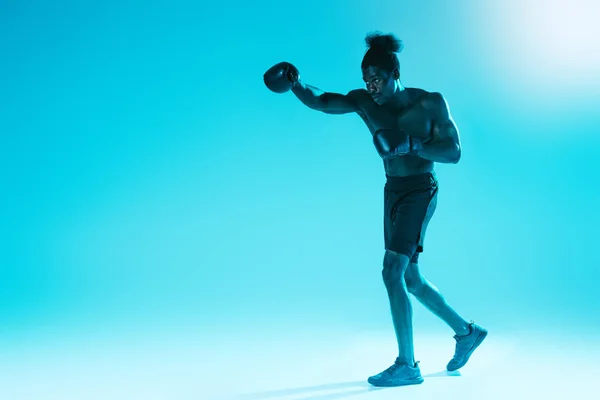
x=444 y=146
x=327 y=102
x=284 y=76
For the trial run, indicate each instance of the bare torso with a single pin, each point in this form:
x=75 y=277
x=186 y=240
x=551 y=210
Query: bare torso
x=380 y=117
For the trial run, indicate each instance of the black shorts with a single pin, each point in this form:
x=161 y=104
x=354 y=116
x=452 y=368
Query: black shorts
x=409 y=203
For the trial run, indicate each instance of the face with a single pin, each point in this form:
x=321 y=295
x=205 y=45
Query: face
x=381 y=84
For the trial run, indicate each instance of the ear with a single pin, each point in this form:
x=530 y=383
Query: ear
x=396 y=74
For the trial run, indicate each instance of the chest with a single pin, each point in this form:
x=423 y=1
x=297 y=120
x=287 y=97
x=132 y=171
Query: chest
x=412 y=119
x=377 y=117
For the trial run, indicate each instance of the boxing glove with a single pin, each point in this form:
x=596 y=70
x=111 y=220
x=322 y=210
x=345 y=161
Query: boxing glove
x=391 y=143
x=281 y=77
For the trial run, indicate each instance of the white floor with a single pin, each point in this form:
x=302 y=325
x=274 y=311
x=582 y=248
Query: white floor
x=294 y=366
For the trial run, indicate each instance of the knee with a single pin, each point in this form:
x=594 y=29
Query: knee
x=394 y=267
x=415 y=284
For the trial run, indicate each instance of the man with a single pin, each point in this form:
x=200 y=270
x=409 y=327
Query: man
x=412 y=129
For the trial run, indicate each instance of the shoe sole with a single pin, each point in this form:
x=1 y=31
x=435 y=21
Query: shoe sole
x=478 y=341
x=414 y=381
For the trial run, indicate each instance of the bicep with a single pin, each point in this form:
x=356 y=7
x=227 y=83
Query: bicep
x=444 y=126
x=337 y=103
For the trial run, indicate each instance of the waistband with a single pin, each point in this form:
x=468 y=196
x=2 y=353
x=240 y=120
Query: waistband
x=396 y=183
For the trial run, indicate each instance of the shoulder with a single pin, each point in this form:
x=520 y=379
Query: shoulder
x=426 y=95
x=417 y=92
x=358 y=94
x=433 y=100
x=360 y=98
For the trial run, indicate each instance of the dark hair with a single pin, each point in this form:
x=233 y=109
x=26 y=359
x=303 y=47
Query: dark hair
x=381 y=53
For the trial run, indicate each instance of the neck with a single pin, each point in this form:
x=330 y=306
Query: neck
x=400 y=98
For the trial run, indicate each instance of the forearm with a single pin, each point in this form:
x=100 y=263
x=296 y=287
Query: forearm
x=445 y=151
x=309 y=95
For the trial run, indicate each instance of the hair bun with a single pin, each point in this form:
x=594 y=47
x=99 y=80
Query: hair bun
x=384 y=42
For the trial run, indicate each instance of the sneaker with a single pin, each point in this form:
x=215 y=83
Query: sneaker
x=466 y=345
x=399 y=374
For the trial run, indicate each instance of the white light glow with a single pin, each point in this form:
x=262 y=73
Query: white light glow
x=549 y=43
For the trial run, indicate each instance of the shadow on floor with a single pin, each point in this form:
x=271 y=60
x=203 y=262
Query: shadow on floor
x=352 y=389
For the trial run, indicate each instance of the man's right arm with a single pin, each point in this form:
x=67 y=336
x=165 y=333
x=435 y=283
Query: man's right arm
x=327 y=102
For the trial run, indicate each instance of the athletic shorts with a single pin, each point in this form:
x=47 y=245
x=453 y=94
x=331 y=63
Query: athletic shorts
x=409 y=204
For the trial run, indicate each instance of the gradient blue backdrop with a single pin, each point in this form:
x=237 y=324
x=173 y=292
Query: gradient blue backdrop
x=150 y=181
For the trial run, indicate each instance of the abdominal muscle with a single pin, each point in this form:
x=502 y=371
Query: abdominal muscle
x=407 y=166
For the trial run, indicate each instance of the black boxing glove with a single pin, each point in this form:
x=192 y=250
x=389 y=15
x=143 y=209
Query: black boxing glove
x=391 y=143
x=416 y=143
x=281 y=77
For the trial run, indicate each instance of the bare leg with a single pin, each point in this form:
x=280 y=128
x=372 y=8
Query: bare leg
x=404 y=371
x=432 y=299
x=394 y=268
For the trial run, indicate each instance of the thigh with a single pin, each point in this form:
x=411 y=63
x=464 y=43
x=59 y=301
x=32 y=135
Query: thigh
x=430 y=210
x=389 y=199
x=431 y=207
x=407 y=219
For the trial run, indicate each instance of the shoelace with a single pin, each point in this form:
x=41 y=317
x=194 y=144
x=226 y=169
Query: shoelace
x=396 y=365
x=393 y=368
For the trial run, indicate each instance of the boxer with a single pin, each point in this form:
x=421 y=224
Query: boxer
x=412 y=129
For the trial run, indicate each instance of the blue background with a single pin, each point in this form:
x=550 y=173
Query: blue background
x=151 y=182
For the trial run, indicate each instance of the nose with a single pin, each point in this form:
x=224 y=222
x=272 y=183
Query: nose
x=371 y=88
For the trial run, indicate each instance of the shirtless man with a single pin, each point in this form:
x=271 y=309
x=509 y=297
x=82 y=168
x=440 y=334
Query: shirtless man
x=412 y=129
